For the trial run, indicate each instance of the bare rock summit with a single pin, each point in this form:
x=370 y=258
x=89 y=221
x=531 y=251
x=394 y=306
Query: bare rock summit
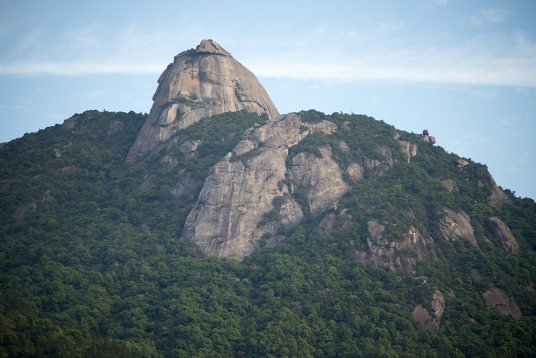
x=199 y=83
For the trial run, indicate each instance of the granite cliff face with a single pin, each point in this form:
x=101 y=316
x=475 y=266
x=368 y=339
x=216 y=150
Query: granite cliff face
x=199 y=83
x=242 y=187
x=502 y=232
x=398 y=255
x=454 y=226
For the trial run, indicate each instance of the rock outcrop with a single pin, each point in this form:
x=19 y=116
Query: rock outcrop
x=71 y=122
x=498 y=299
x=409 y=149
x=333 y=226
x=454 y=226
x=56 y=153
x=379 y=168
x=397 y=255
x=240 y=188
x=450 y=185
x=498 y=197
x=355 y=172
x=421 y=314
x=321 y=176
x=115 y=126
x=199 y=83
x=502 y=232
x=425 y=137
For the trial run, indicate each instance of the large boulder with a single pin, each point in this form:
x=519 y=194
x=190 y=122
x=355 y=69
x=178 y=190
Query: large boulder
x=421 y=314
x=454 y=226
x=502 y=232
x=498 y=299
x=199 y=83
x=409 y=149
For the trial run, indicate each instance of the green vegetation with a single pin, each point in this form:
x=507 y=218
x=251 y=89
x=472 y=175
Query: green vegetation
x=98 y=270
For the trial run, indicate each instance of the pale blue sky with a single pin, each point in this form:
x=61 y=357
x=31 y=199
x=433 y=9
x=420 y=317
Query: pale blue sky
x=463 y=69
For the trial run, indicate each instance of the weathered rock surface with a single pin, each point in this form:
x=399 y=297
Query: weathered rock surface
x=454 y=226
x=498 y=197
x=421 y=314
x=355 y=172
x=409 y=149
x=460 y=163
x=437 y=301
x=498 y=299
x=502 y=232
x=379 y=168
x=56 y=153
x=185 y=187
x=398 y=255
x=71 y=122
x=169 y=162
x=199 y=83
x=190 y=146
x=450 y=185
x=224 y=220
x=321 y=176
x=330 y=225
x=477 y=275
x=115 y=126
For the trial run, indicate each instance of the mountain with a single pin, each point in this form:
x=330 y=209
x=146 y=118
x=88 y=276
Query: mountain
x=199 y=83
x=215 y=227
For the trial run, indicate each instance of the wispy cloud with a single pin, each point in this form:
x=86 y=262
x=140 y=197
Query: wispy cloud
x=490 y=16
x=325 y=52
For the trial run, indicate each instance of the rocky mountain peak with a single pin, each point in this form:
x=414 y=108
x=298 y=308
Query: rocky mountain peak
x=211 y=47
x=199 y=83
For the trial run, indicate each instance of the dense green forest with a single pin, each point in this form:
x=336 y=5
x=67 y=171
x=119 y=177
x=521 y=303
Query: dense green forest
x=91 y=264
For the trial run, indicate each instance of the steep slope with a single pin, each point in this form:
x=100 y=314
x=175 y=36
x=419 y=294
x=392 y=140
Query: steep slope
x=199 y=83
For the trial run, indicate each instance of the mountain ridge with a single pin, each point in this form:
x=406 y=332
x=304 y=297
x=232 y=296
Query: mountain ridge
x=355 y=239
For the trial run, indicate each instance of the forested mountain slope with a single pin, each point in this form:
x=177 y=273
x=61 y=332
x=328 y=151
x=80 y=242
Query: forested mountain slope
x=419 y=254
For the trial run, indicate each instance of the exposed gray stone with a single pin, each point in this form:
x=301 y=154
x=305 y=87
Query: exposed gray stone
x=450 y=185
x=115 y=126
x=56 y=153
x=392 y=256
x=476 y=275
x=498 y=299
x=186 y=186
x=355 y=172
x=409 y=149
x=190 y=146
x=498 y=197
x=224 y=220
x=322 y=178
x=421 y=314
x=169 y=162
x=460 y=163
x=502 y=232
x=198 y=84
x=454 y=226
